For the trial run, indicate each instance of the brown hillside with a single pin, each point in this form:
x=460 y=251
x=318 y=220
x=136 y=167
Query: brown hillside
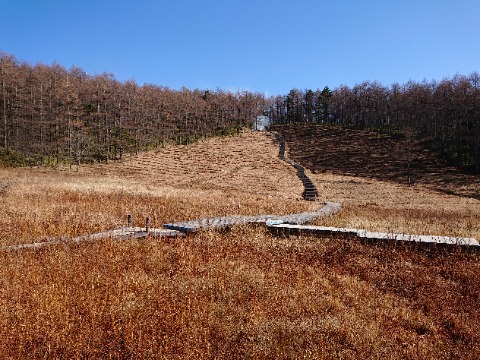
x=239 y=294
x=373 y=155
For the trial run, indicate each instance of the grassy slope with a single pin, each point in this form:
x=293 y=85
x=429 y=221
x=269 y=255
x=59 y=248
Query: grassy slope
x=239 y=294
x=367 y=172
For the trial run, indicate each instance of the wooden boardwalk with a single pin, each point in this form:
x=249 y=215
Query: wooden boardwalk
x=329 y=208
x=279 y=224
x=310 y=191
x=179 y=229
x=122 y=233
x=374 y=236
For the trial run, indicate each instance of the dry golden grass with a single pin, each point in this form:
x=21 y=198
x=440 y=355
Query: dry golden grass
x=179 y=184
x=242 y=294
x=243 y=165
x=439 y=203
x=383 y=206
x=237 y=294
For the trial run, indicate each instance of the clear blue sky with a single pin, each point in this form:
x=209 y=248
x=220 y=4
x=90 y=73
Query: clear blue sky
x=269 y=46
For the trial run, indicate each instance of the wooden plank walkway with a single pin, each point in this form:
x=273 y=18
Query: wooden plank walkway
x=278 y=224
x=329 y=208
x=375 y=236
x=310 y=191
x=122 y=233
x=179 y=229
x=285 y=224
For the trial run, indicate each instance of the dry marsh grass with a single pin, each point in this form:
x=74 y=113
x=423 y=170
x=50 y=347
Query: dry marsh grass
x=242 y=294
x=245 y=164
x=235 y=294
x=372 y=155
x=390 y=207
x=173 y=187
x=366 y=172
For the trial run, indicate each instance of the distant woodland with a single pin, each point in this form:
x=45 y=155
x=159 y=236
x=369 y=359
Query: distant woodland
x=52 y=115
x=445 y=114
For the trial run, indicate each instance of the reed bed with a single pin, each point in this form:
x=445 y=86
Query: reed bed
x=241 y=293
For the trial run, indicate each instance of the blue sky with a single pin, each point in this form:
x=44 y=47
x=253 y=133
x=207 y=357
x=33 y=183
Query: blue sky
x=268 y=46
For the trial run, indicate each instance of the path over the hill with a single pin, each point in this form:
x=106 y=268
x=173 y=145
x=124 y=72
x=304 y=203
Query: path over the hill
x=278 y=223
x=310 y=191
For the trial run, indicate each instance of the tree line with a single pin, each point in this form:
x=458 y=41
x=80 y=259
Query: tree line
x=446 y=114
x=50 y=115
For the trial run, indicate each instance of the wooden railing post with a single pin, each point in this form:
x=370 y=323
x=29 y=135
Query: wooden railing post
x=129 y=220
x=147 y=225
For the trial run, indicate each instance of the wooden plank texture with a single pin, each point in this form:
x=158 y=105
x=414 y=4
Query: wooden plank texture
x=369 y=235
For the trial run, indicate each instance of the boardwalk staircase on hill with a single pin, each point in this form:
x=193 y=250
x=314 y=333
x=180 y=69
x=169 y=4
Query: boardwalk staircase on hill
x=277 y=224
x=310 y=191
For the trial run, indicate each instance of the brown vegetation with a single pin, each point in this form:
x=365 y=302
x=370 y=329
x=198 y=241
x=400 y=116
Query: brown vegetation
x=222 y=176
x=51 y=115
x=237 y=294
x=443 y=113
x=366 y=172
x=400 y=159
